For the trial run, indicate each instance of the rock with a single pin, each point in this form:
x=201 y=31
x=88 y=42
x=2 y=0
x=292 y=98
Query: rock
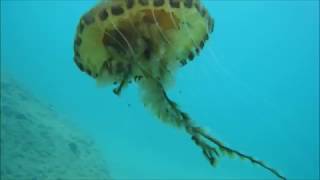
x=38 y=144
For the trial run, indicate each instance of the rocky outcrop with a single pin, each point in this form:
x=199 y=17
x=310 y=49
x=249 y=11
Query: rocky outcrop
x=38 y=144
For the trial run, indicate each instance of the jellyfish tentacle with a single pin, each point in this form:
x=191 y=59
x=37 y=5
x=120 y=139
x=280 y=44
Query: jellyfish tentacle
x=239 y=154
x=156 y=98
x=118 y=89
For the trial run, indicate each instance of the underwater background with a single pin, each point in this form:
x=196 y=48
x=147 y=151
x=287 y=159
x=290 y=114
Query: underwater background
x=255 y=86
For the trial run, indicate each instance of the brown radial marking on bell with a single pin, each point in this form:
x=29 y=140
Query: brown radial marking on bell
x=77 y=41
x=183 y=62
x=76 y=52
x=81 y=27
x=206 y=37
x=174 y=3
x=76 y=59
x=201 y=44
x=88 y=19
x=191 y=56
x=80 y=66
x=103 y=14
x=203 y=12
x=88 y=72
x=117 y=10
x=197 y=50
x=188 y=3
x=130 y=4
x=158 y=3
x=149 y=19
x=144 y=2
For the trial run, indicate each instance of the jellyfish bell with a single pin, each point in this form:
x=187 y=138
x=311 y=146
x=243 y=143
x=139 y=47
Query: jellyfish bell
x=146 y=41
x=124 y=40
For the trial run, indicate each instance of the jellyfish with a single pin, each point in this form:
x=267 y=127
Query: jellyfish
x=146 y=42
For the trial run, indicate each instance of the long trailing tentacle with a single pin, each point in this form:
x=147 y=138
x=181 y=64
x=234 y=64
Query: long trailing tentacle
x=156 y=98
x=198 y=136
x=231 y=152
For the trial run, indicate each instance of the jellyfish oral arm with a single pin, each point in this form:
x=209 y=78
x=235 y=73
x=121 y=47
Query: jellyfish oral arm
x=123 y=82
x=155 y=98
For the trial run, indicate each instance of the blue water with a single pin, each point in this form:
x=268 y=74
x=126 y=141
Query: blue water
x=255 y=86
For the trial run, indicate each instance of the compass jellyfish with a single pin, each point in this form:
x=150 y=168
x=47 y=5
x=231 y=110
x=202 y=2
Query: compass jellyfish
x=146 y=42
